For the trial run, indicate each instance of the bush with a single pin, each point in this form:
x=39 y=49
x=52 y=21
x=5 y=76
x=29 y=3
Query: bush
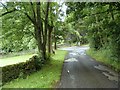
x=22 y=69
x=105 y=56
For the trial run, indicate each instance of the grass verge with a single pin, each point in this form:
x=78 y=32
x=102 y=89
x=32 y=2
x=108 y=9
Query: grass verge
x=45 y=78
x=15 y=59
x=103 y=57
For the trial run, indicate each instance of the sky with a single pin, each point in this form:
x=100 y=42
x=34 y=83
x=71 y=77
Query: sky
x=63 y=8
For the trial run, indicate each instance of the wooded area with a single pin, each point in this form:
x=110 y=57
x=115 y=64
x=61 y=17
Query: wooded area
x=38 y=29
x=99 y=23
x=26 y=25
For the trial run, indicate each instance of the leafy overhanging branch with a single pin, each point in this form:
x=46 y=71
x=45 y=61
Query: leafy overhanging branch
x=14 y=9
x=29 y=17
x=9 y=12
x=4 y=6
x=102 y=12
x=33 y=11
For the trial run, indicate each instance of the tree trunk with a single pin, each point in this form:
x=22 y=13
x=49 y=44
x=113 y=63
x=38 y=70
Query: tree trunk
x=55 y=44
x=39 y=30
x=50 y=40
x=46 y=27
x=55 y=41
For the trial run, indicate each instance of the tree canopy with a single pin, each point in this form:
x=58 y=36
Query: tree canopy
x=27 y=25
x=99 y=22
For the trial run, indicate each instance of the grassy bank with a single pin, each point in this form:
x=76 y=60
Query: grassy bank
x=47 y=77
x=15 y=59
x=103 y=56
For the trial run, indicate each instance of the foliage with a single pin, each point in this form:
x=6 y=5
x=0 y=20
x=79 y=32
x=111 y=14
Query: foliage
x=100 y=22
x=104 y=57
x=27 y=25
x=16 y=31
x=47 y=77
x=74 y=18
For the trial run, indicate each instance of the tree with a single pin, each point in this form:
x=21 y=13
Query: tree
x=52 y=23
x=101 y=24
x=30 y=14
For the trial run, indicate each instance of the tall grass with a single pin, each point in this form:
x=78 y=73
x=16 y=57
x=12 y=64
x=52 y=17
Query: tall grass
x=104 y=56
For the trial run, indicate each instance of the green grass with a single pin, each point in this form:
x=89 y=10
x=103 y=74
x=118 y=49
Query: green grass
x=47 y=77
x=15 y=59
x=103 y=56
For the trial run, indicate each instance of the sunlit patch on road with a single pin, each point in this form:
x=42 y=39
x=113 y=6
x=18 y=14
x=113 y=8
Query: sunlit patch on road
x=82 y=53
x=100 y=67
x=72 y=53
x=108 y=73
x=71 y=60
x=77 y=50
x=111 y=76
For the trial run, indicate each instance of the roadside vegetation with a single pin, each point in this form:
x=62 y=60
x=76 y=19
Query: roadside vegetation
x=40 y=26
x=15 y=59
x=99 y=23
x=104 y=57
x=47 y=77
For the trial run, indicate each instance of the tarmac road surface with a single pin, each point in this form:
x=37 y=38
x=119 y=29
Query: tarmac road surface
x=81 y=71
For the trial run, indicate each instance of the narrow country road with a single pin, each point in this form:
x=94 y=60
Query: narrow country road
x=81 y=71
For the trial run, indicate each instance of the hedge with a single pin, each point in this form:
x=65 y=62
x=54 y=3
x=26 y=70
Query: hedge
x=20 y=70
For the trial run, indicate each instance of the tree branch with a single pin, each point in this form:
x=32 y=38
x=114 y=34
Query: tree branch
x=8 y=12
x=4 y=6
x=46 y=16
x=28 y=16
x=46 y=22
x=33 y=10
x=103 y=12
x=43 y=11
